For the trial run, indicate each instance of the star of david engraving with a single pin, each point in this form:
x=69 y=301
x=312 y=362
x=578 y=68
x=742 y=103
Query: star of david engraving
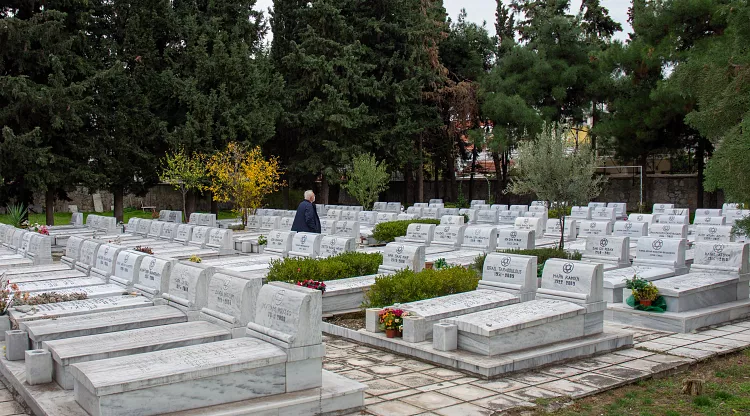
x=657 y=244
x=567 y=267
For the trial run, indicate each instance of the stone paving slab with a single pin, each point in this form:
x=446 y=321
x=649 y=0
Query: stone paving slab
x=400 y=385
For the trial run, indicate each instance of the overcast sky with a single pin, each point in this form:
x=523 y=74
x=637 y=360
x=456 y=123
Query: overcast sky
x=484 y=11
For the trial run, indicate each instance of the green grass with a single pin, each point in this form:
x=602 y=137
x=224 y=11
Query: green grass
x=63 y=218
x=726 y=392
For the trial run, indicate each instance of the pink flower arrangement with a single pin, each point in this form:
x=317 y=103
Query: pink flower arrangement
x=43 y=230
x=391 y=318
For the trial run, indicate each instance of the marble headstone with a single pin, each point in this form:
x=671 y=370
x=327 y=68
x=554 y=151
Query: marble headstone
x=184 y=233
x=452 y=220
x=327 y=226
x=386 y=217
x=432 y=213
x=668 y=230
x=574 y=281
x=347 y=228
x=153 y=276
x=714 y=233
x=280 y=242
x=187 y=287
x=480 y=238
x=127 y=267
x=634 y=230
x=106 y=260
x=661 y=252
x=673 y=219
x=231 y=300
x=508 y=217
x=448 y=235
x=510 y=273
x=487 y=216
x=596 y=228
x=553 y=229
x=367 y=217
x=335 y=245
x=717 y=220
x=604 y=214
x=516 y=239
x=661 y=208
x=530 y=224
x=582 y=213
x=306 y=245
x=647 y=218
x=419 y=233
x=271 y=222
x=287 y=316
x=608 y=250
x=379 y=206
x=723 y=258
x=285 y=224
x=397 y=256
x=519 y=208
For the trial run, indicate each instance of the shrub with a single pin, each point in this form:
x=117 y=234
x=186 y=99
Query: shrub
x=408 y=286
x=542 y=255
x=342 y=266
x=555 y=213
x=387 y=232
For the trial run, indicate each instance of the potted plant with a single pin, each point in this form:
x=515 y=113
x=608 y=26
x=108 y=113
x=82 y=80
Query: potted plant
x=313 y=284
x=647 y=294
x=195 y=259
x=262 y=242
x=441 y=264
x=644 y=292
x=392 y=321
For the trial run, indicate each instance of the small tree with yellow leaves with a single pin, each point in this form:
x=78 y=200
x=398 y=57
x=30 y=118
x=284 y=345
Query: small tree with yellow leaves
x=241 y=175
x=186 y=172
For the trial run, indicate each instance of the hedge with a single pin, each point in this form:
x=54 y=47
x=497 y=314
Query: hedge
x=342 y=266
x=542 y=255
x=386 y=232
x=407 y=286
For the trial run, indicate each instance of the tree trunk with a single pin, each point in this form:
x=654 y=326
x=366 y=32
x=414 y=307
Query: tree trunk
x=324 y=190
x=190 y=205
x=498 y=176
x=420 y=173
x=285 y=196
x=473 y=170
x=699 y=156
x=594 y=121
x=505 y=162
x=334 y=192
x=435 y=183
x=409 y=182
x=562 y=227
x=646 y=183
x=118 y=194
x=49 y=207
x=452 y=182
x=214 y=203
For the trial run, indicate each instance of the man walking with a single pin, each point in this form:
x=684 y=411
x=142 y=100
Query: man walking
x=307 y=219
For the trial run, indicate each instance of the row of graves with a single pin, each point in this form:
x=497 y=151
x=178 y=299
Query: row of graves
x=174 y=336
x=173 y=240
x=21 y=248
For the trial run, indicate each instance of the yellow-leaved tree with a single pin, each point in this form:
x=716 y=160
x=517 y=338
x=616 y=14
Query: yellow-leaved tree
x=243 y=176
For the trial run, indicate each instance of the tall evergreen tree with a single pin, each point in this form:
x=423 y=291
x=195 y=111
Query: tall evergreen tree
x=43 y=105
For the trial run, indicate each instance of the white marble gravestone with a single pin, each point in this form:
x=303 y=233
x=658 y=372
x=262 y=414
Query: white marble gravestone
x=719 y=257
x=613 y=252
x=106 y=260
x=415 y=210
x=516 y=239
x=595 y=228
x=552 y=229
x=154 y=230
x=143 y=227
x=153 y=277
x=731 y=206
x=673 y=219
x=420 y=205
x=335 y=245
x=347 y=228
x=187 y=287
x=499 y=207
x=393 y=207
x=419 y=233
x=327 y=226
x=40 y=249
x=714 y=233
x=436 y=201
x=271 y=222
x=581 y=213
x=508 y=217
x=386 y=217
x=621 y=209
x=487 y=216
x=306 y=245
x=678 y=211
x=448 y=235
x=471 y=213
x=661 y=252
x=379 y=206
x=594 y=205
x=199 y=237
x=367 y=217
x=519 y=208
x=668 y=230
x=432 y=213
x=80 y=307
x=573 y=281
x=280 y=242
x=634 y=230
x=452 y=220
x=347 y=215
x=716 y=220
x=708 y=212
x=220 y=239
x=169 y=231
x=397 y=256
x=510 y=273
x=285 y=224
x=537 y=208
x=72 y=251
x=734 y=215
x=231 y=301
x=530 y=224
x=287 y=316
x=184 y=233
x=661 y=208
x=604 y=214
x=477 y=202
x=647 y=218
x=127 y=267
x=480 y=238
x=450 y=211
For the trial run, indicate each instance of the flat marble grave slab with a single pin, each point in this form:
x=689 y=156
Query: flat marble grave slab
x=611 y=339
x=100 y=323
x=36 y=269
x=81 y=307
x=683 y=322
x=59 y=284
x=346 y=295
x=614 y=280
x=66 y=352
x=40 y=276
x=337 y=394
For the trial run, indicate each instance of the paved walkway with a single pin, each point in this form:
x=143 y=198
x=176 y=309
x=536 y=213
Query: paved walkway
x=400 y=386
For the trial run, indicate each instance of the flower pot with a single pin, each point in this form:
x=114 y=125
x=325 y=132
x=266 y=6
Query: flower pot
x=4 y=325
x=645 y=302
x=429 y=264
x=399 y=334
x=391 y=333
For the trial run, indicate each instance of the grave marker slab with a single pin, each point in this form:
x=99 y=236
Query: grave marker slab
x=398 y=256
x=153 y=276
x=419 y=233
x=595 y=228
x=347 y=229
x=452 y=220
x=510 y=273
x=673 y=219
x=306 y=245
x=280 y=242
x=231 y=301
x=668 y=230
x=634 y=230
x=718 y=220
x=714 y=233
x=335 y=245
x=448 y=235
x=480 y=238
x=516 y=239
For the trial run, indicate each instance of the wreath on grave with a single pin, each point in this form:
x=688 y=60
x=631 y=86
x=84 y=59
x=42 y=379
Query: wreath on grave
x=645 y=296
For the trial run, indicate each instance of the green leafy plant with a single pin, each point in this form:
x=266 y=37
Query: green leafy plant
x=185 y=172
x=466 y=218
x=342 y=266
x=461 y=201
x=16 y=214
x=386 y=232
x=262 y=240
x=642 y=289
x=195 y=259
x=366 y=179
x=636 y=283
x=408 y=286
x=441 y=263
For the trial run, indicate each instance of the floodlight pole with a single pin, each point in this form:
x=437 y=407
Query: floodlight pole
x=640 y=171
